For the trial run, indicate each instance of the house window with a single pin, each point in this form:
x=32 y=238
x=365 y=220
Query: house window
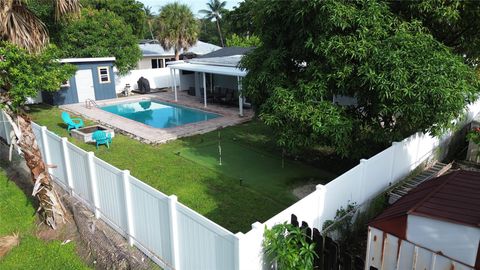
x=157 y=63
x=103 y=75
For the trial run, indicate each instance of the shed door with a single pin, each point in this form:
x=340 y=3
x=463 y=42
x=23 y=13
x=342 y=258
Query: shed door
x=84 y=81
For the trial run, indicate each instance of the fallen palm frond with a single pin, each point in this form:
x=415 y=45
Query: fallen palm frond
x=7 y=243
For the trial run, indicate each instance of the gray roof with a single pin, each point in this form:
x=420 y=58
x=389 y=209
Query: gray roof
x=226 y=61
x=155 y=49
x=227 y=51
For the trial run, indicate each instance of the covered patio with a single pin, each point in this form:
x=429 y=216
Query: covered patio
x=206 y=79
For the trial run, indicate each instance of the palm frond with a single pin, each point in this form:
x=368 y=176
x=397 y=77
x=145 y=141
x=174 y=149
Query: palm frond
x=20 y=26
x=66 y=7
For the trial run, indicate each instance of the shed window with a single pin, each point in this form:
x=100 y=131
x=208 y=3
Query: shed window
x=157 y=63
x=103 y=75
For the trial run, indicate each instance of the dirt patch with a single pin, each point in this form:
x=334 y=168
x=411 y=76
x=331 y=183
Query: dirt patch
x=302 y=191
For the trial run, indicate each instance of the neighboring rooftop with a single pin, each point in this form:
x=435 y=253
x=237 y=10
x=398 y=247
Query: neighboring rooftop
x=454 y=197
x=228 y=51
x=152 y=48
x=227 y=61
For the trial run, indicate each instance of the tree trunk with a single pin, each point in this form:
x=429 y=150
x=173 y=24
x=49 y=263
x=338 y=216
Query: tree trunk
x=51 y=208
x=177 y=54
x=220 y=32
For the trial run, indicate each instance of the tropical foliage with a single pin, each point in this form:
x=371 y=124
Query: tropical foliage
x=100 y=33
x=286 y=247
x=21 y=76
x=238 y=41
x=401 y=80
x=214 y=12
x=132 y=12
x=176 y=27
x=455 y=23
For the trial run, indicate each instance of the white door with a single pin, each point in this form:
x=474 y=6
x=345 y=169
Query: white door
x=84 y=82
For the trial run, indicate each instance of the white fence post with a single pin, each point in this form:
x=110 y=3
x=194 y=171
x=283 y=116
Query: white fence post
x=46 y=149
x=68 y=166
x=238 y=250
x=93 y=183
x=128 y=204
x=392 y=166
x=362 y=182
x=5 y=127
x=172 y=211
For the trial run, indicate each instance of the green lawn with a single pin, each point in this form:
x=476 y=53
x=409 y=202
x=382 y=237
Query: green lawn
x=17 y=214
x=250 y=185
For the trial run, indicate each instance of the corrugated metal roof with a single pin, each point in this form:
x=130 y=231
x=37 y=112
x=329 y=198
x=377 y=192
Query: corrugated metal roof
x=453 y=197
x=155 y=49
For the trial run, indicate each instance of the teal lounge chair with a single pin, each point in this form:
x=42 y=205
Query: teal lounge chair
x=72 y=123
x=101 y=137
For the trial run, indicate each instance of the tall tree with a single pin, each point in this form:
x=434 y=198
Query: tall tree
x=240 y=20
x=177 y=28
x=150 y=18
x=100 y=33
x=132 y=12
x=214 y=12
x=455 y=23
x=23 y=75
x=401 y=80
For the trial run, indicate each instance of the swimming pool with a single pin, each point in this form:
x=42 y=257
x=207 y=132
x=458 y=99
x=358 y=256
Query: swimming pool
x=159 y=114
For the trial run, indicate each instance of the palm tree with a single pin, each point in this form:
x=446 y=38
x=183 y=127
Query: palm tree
x=20 y=26
x=150 y=17
x=177 y=28
x=214 y=11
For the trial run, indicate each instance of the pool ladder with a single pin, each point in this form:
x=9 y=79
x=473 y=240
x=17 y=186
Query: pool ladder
x=90 y=103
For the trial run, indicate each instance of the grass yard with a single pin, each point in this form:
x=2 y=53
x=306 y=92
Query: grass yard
x=17 y=215
x=252 y=184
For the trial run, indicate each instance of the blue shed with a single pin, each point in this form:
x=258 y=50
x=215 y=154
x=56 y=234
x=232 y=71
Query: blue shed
x=94 y=80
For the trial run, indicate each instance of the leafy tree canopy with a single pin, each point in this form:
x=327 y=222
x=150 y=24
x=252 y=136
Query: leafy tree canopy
x=240 y=19
x=23 y=74
x=403 y=79
x=100 y=33
x=455 y=23
x=238 y=41
x=132 y=12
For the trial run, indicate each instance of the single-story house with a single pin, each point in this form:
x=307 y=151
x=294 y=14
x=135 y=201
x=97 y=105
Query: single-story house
x=434 y=226
x=93 y=80
x=155 y=56
x=211 y=75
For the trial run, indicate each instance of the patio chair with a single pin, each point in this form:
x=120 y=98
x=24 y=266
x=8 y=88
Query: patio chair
x=72 y=123
x=229 y=96
x=101 y=137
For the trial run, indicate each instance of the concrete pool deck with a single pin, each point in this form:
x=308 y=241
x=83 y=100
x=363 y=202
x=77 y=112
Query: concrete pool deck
x=153 y=135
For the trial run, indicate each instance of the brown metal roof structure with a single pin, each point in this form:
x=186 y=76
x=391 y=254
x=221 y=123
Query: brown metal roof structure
x=454 y=197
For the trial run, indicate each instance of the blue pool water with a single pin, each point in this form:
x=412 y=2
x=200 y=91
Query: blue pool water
x=159 y=114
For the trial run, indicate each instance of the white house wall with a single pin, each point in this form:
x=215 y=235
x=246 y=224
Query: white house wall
x=146 y=62
x=456 y=241
x=158 y=78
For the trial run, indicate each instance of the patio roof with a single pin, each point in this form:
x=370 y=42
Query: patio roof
x=222 y=70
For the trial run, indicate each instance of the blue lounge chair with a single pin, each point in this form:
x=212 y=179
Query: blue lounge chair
x=72 y=123
x=101 y=137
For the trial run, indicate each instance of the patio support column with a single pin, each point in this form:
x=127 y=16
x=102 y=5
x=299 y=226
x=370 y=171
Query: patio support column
x=204 y=91
x=240 y=96
x=179 y=79
x=175 y=84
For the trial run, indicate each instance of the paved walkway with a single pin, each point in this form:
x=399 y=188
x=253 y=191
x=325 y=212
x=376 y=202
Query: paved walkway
x=150 y=134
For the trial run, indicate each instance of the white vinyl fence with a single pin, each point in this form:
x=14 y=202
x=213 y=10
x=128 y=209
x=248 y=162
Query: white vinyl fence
x=176 y=237
x=173 y=235
x=157 y=77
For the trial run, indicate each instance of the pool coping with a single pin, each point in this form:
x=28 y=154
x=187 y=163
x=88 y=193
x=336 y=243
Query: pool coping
x=152 y=135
